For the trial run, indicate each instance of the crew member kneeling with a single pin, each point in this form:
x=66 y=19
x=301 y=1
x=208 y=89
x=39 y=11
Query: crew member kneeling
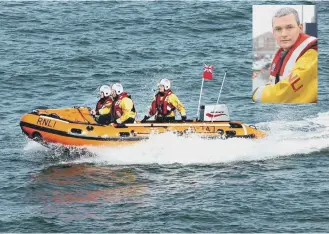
x=123 y=109
x=164 y=104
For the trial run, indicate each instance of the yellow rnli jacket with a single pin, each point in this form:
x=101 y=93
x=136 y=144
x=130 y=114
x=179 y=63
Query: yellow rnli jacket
x=175 y=102
x=300 y=86
x=106 y=109
x=126 y=105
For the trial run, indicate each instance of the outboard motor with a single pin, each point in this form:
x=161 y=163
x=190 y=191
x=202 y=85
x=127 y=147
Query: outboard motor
x=214 y=113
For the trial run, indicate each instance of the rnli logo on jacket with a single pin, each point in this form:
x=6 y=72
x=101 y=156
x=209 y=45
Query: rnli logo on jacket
x=273 y=67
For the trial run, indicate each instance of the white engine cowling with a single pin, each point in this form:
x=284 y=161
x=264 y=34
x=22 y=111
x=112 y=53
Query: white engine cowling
x=217 y=112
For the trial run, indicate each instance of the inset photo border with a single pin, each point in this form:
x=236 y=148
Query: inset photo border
x=285 y=54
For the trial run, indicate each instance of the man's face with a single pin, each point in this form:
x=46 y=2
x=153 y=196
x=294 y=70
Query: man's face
x=114 y=94
x=286 y=31
x=102 y=95
x=161 y=89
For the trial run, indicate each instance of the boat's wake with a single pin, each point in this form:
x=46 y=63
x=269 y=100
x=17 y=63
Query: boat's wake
x=285 y=138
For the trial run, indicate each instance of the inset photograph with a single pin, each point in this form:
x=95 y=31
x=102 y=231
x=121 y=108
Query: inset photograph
x=285 y=54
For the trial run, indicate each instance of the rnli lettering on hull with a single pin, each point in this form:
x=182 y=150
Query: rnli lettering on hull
x=46 y=122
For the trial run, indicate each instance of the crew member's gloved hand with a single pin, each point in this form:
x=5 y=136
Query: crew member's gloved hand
x=93 y=112
x=184 y=118
x=145 y=118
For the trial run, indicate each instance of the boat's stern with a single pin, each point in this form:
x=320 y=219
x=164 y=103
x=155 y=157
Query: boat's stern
x=254 y=132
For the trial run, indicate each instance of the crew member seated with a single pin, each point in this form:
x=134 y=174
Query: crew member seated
x=123 y=109
x=102 y=113
x=164 y=104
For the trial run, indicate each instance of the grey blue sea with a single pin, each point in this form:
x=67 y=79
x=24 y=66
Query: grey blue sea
x=56 y=53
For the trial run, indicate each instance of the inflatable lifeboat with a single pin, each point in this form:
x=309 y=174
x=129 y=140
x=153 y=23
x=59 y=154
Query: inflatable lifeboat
x=76 y=127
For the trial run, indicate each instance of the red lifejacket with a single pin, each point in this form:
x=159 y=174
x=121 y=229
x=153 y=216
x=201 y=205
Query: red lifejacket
x=303 y=43
x=116 y=107
x=103 y=102
x=160 y=105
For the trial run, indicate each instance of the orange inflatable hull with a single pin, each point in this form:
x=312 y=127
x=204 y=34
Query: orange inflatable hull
x=76 y=127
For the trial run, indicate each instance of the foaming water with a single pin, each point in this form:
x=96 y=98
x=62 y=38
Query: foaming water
x=285 y=138
x=33 y=146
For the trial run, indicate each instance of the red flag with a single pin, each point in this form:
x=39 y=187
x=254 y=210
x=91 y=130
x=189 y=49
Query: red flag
x=207 y=72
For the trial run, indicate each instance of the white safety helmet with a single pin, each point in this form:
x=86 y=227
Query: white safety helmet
x=117 y=87
x=165 y=83
x=106 y=90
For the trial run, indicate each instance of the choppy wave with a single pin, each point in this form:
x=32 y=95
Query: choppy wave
x=57 y=53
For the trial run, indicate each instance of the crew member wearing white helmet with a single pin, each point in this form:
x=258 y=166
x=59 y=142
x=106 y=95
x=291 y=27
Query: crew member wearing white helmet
x=123 y=110
x=103 y=106
x=164 y=104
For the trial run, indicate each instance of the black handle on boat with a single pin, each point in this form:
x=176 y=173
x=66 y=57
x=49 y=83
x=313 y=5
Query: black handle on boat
x=253 y=126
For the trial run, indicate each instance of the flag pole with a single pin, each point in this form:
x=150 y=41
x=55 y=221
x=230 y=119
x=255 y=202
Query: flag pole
x=197 y=115
x=218 y=97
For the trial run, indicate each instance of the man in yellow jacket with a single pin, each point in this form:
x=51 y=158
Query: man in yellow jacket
x=103 y=107
x=164 y=104
x=123 y=109
x=294 y=69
